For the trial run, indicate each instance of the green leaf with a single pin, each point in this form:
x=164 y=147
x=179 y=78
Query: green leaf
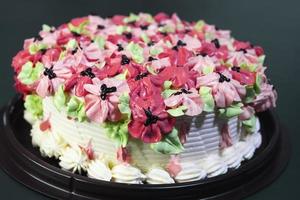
x=100 y=41
x=208 y=69
x=258 y=82
x=167 y=93
x=60 y=98
x=155 y=51
x=167 y=84
x=207 y=98
x=151 y=70
x=261 y=59
x=121 y=29
x=137 y=52
x=145 y=38
x=250 y=124
x=176 y=112
x=124 y=105
x=46 y=28
x=34 y=104
x=199 y=25
x=72 y=44
x=166 y=29
x=80 y=29
x=231 y=111
x=76 y=109
x=250 y=94
x=30 y=74
x=249 y=67
x=117 y=131
x=131 y=18
x=169 y=145
x=36 y=47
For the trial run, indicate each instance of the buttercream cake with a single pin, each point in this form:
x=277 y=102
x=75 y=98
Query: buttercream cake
x=143 y=99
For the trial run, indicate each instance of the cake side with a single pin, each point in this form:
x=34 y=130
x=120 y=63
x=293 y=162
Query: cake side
x=127 y=95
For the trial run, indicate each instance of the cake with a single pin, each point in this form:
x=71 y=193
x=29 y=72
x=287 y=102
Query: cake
x=143 y=99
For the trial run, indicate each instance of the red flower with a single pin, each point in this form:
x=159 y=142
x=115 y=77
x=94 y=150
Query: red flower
x=243 y=76
x=22 y=57
x=149 y=121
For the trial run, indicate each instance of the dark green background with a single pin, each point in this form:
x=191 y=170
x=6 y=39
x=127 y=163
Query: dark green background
x=273 y=24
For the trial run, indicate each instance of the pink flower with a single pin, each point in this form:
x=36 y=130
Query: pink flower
x=52 y=78
x=189 y=98
x=226 y=140
x=103 y=98
x=150 y=121
x=266 y=99
x=224 y=89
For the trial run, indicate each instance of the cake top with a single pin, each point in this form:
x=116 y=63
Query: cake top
x=136 y=74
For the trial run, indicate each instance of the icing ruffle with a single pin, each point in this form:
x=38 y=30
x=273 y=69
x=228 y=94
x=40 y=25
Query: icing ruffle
x=213 y=165
x=99 y=170
x=190 y=172
x=74 y=159
x=124 y=173
x=158 y=176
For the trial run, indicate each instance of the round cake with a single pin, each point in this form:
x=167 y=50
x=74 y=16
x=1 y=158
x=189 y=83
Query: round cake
x=143 y=99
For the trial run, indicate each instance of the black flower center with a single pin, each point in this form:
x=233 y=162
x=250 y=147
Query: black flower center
x=128 y=35
x=182 y=91
x=88 y=72
x=235 y=68
x=141 y=76
x=151 y=59
x=180 y=43
x=101 y=27
x=104 y=90
x=216 y=43
x=125 y=60
x=50 y=73
x=120 y=48
x=151 y=119
x=223 y=78
x=243 y=50
x=144 y=27
x=151 y=43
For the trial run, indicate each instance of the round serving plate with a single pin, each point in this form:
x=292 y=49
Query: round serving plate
x=24 y=163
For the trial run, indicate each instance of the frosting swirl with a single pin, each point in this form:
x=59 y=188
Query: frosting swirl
x=74 y=159
x=247 y=149
x=158 y=176
x=124 y=173
x=231 y=157
x=214 y=166
x=190 y=172
x=98 y=170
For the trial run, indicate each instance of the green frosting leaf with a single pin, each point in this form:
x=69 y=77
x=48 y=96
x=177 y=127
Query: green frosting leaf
x=250 y=124
x=100 y=41
x=121 y=29
x=249 y=67
x=151 y=70
x=207 y=98
x=60 y=98
x=30 y=74
x=36 y=47
x=176 y=112
x=80 y=29
x=136 y=51
x=155 y=51
x=167 y=84
x=208 y=69
x=131 y=18
x=145 y=38
x=166 y=29
x=169 y=145
x=167 y=93
x=72 y=44
x=76 y=109
x=124 y=105
x=250 y=94
x=199 y=25
x=258 y=82
x=117 y=131
x=231 y=111
x=261 y=59
x=46 y=28
x=33 y=104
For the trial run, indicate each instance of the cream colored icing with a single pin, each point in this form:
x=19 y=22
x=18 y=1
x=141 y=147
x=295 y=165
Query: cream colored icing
x=201 y=158
x=125 y=173
x=74 y=159
x=99 y=170
x=158 y=176
x=190 y=172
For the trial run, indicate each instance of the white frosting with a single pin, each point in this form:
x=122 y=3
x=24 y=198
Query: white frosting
x=202 y=155
x=29 y=117
x=159 y=176
x=190 y=172
x=74 y=159
x=125 y=173
x=232 y=157
x=214 y=166
x=98 y=170
x=246 y=148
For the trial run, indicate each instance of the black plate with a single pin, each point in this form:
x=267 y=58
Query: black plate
x=23 y=162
